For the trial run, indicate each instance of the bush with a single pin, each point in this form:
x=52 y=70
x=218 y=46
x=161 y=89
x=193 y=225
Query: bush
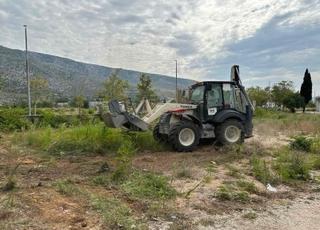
x=13 y=120
x=301 y=143
x=261 y=170
x=292 y=166
x=124 y=159
x=149 y=186
x=231 y=193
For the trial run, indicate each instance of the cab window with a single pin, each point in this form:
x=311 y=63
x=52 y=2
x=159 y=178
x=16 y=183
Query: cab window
x=197 y=94
x=228 y=95
x=214 y=96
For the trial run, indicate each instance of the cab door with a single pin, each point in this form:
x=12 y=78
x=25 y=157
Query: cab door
x=213 y=99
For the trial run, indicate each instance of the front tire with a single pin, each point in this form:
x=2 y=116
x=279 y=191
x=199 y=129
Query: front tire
x=184 y=136
x=230 y=132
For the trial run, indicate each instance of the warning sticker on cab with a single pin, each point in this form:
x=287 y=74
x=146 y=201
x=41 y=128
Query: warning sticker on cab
x=212 y=111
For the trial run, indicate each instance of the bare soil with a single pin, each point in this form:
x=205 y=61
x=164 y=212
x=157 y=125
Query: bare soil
x=35 y=203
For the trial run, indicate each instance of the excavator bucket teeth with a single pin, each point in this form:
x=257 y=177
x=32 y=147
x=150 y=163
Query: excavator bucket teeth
x=119 y=118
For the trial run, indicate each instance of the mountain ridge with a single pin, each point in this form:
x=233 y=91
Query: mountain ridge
x=68 y=77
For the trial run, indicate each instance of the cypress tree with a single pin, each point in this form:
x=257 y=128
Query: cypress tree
x=306 y=88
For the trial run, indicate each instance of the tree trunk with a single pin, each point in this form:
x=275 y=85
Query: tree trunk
x=35 y=108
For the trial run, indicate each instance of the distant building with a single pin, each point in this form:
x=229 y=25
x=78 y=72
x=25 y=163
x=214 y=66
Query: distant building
x=317 y=102
x=94 y=104
x=62 y=104
x=270 y=105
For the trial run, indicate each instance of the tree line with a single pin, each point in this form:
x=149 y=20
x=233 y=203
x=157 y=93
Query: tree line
x=283 y=94
x=114 y=88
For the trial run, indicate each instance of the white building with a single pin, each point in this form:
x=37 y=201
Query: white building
x=95 y=104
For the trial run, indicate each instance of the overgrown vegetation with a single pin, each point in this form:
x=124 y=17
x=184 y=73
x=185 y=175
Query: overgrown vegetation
x=262 y=171
x=148 y=186
x=93 y=139
x=239 y=190
x=292 y=166
x=301 y=143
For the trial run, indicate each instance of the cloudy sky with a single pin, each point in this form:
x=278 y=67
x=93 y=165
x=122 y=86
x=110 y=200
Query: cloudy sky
x=271 y=40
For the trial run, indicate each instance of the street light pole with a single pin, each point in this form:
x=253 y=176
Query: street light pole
x=27 y=70
x=176 y=81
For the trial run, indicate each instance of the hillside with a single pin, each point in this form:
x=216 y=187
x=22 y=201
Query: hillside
x=67 y=77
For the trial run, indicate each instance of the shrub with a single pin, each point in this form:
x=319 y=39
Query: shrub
x=231 y=193
x=301 y=143
x=247 y=186
x=124 y=159
x=292 y=166
x=13 y=120
x=261 y=170
x=149 y=186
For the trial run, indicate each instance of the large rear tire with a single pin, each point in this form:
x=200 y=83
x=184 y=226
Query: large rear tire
x=184 y=136
x=230 y=132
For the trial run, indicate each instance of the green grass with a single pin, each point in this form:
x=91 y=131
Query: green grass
x=301 y=143
x=247 y=186
x=233 y=171
x=288 y=123
x=13 y=119
x=102 y=180
x=91 y=138
x=292 y=165
x=67 y=187
x=114 y=212
x=229 y=193
x=146 y=185
x=261 y=170
x=238 y=190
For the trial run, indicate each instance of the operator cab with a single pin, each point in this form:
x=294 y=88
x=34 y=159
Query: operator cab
x=213 y=97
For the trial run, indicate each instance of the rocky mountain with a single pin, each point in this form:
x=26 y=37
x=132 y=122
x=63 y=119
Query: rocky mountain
x=67 y=77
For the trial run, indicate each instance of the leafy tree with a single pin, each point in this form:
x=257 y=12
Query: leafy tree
x=115 y=88
x=259 y=95
x=293 y=101
x=78 y=101
x=282 y=91
x=39 y=90
x=306 y=89
x=145 y=89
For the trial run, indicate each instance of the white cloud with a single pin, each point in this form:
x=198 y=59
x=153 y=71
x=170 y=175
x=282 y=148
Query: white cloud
x=150 y=35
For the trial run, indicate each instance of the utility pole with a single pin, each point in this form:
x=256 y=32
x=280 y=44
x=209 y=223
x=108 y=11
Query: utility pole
x=176 y=81
x=27 y=71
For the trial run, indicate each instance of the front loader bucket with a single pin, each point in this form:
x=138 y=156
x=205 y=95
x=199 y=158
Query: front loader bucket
x=118 y=118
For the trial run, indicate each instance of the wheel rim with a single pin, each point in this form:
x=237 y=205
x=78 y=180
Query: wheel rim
x=232 y=134
x=186 y=137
